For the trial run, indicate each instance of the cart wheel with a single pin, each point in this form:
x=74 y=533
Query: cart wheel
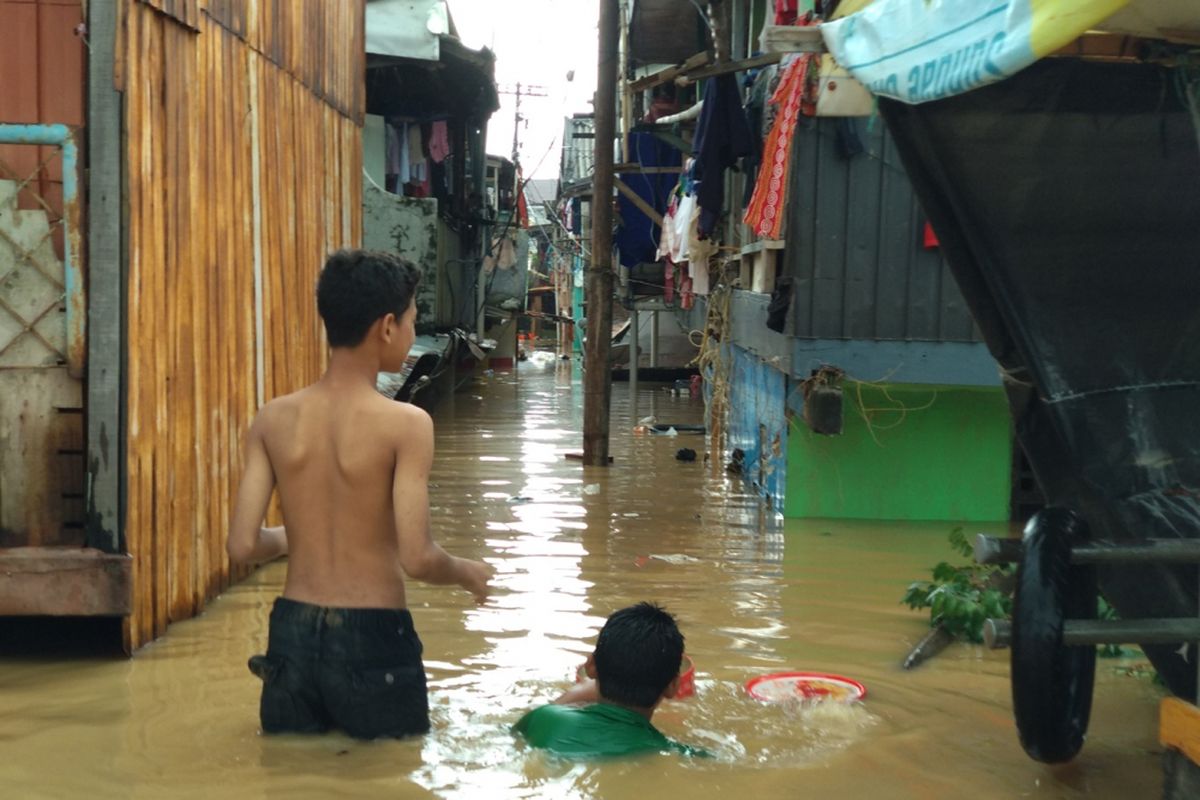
x=1052 y=684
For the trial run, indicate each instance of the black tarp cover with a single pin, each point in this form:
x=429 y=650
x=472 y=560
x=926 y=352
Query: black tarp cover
x=1067 y=202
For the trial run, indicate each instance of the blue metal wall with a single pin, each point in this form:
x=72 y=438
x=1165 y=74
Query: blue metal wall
x=757 y=423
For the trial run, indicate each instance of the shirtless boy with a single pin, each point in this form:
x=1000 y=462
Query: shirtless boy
x=351 y=468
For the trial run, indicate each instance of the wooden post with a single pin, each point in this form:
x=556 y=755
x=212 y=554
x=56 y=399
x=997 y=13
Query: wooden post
x=635 y=335
x=105 y=434
x=626 y=95
x=597 y=382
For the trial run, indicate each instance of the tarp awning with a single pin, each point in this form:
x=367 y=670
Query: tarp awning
x=407 y=28
x=920 y=50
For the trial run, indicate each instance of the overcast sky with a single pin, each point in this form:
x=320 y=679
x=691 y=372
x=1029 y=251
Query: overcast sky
x=536 y=42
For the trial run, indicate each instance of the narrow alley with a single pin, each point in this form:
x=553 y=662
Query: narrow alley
x=753 y=596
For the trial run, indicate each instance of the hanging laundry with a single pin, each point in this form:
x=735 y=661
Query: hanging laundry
x=439 y=141
x=394 y=150
x=684 y=215
x=785 y=12
x=405 y=173
x=416 y=155
x=699 y=248
x=849 y=143
x=638 y=235
x=698 y=271
x=766 y=210
x=760 y=86
x=722 y=137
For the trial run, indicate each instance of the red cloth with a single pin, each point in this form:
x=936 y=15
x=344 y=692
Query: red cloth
x=786 y=12
x=764 y=215
x=930 y=238
x=522 y=209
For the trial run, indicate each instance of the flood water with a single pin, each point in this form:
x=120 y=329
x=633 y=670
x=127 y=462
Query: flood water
x=753 y=595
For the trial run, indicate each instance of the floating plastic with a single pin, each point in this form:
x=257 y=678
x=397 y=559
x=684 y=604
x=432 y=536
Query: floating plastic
x=784 y=687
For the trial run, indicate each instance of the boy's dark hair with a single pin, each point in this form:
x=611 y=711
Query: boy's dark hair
x=638 y=654
x=357 y=287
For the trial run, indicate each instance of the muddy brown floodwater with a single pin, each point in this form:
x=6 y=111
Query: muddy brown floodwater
x=753 y=595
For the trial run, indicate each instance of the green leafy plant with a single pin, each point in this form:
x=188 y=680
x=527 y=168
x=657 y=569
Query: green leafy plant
x=961 y=597
x=1105 y=611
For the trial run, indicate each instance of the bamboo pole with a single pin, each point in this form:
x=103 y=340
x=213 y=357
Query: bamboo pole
x=626 y=94
x=597 y=384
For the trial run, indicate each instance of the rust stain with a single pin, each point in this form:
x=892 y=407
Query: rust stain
x=77 y=332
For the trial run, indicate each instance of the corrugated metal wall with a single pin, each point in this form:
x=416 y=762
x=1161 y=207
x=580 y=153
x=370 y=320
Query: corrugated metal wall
x=758 y=424
x=855 y=245
x=244 y=167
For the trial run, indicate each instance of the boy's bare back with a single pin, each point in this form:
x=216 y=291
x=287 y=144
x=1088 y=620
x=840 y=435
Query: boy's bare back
x=352 y=473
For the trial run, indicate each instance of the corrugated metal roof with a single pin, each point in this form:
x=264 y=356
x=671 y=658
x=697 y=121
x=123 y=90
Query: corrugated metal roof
x=578 y=154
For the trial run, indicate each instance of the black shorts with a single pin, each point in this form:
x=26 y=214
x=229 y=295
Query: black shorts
x=357 y=669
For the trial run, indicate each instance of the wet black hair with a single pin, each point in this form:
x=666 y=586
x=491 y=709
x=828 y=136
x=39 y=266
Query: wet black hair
x=638 y=654
x=357 y=287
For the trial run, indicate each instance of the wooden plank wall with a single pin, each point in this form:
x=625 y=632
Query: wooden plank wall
x=270 y=83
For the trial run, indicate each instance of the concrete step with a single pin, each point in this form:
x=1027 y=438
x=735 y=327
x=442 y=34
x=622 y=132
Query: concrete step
x=64 y=581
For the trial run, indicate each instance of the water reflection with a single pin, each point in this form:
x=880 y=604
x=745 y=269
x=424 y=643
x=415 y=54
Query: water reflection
x=754 y=594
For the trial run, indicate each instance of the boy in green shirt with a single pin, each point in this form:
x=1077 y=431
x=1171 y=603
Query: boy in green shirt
x=634 y=666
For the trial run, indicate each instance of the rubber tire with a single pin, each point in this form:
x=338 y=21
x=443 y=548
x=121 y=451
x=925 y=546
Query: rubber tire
x=1052 y=684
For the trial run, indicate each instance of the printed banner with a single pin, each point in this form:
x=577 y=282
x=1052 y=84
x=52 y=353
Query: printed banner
x=921 y=50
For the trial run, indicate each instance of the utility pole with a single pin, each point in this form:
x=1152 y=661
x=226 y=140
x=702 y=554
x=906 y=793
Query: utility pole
x=516 y=151
x=520 y=90
x=597 y=380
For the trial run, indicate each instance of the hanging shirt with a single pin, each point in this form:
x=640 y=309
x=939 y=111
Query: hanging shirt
x=595 y=731
x=722 y=137
x=439 y=141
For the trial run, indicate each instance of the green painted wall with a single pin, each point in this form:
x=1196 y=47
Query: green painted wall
x=929 y=453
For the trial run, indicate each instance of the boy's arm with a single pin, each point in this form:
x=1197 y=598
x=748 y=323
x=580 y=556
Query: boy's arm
x=249 y=542
x=587 y=691
x=420 y=556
